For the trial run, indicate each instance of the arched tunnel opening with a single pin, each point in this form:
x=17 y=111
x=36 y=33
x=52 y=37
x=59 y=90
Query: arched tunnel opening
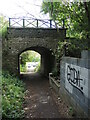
x=29 y=62
x=46 y=60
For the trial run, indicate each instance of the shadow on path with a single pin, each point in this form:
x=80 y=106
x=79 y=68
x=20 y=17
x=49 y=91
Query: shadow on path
x=38 y=100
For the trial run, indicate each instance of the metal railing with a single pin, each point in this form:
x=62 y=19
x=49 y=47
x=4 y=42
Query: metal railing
x=36 y=23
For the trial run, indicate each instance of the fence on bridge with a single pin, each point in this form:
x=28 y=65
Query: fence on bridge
x=36 y=23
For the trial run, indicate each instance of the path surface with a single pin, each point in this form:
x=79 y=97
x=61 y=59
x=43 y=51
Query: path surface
x=38 y=101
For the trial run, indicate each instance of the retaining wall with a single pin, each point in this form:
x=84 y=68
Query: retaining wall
x=75 y=82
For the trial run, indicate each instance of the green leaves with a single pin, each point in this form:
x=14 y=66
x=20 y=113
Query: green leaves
x=74 y=14
x=29 y=56
x=12 y=96
x=3 y=26
x=71 y=48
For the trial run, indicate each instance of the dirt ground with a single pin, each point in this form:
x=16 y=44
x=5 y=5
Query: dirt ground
x=41 y=101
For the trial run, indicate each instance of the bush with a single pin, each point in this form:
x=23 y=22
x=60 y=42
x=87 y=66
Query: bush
x=29 y=56
x=12 y=96
x=75 y=46
x=71 y=48
x=37 y=69
x=22 y=68
x=3 y=26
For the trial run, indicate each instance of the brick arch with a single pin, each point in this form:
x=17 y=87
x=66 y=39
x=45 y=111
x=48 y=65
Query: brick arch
x=20 y=39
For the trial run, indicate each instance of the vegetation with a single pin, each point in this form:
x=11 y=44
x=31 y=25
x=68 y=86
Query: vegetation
x=29 y=56
x=3 y=26
x=37 y=69
x=76 y=16
x=22 y=68
x=12 y=96
x=71 y=48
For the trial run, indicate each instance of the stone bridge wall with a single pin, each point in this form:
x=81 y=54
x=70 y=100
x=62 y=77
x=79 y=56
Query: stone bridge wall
x=75 y=82
x=41 y=40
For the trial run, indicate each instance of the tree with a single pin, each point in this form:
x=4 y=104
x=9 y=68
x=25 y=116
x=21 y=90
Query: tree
x=76 y=16
x=3 y=26
x=29 y=56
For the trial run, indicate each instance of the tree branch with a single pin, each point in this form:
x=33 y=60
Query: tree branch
x=87 y=12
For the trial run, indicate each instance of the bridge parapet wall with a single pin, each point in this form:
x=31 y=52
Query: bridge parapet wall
x=36 y=33
x=20 y=39
x=75 y=82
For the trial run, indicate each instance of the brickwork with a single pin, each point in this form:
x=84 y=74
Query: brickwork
x=41 y=40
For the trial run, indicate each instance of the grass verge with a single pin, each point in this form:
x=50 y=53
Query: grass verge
x=13 y=92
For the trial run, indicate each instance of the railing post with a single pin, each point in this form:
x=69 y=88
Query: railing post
x=23 y=23
x=50 y=23
x=9 y=22
x=37 y=23
x=63 y=23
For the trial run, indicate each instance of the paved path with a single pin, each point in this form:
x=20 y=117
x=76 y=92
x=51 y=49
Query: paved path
x=39 y=103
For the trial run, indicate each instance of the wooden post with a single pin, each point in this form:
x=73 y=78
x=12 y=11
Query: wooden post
x=9 y=22
x=23 y=23
x=37 y=23
x=50 y=23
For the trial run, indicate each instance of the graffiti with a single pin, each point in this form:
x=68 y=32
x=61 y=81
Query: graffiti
x=73 y=77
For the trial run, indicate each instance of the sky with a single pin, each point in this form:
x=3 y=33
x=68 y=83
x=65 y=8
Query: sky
x=22 y=8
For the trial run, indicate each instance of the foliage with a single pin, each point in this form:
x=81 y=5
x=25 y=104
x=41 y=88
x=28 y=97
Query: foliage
x=22 y=68
x=59 y=52
x=76 y=17
x=55 y=72
x=12 y=96
x=37 y=69
x=71 y=48
x=3 y=26
x=71 y=111
x=74 y=14
x=75 y=46
x=29 y=56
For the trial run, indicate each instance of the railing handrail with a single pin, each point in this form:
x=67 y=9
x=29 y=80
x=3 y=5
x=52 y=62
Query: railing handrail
x=30 y=18
x=46 y=22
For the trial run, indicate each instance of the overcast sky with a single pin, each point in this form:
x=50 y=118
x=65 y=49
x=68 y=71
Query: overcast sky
x=21 y=8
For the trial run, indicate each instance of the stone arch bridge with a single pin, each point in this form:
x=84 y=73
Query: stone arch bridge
x=41 y=40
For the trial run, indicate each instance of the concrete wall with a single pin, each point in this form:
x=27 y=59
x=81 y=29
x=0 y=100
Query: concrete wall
x=75 y=82
x=43 y=41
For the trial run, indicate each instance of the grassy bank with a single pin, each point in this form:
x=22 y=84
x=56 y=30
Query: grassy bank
x=13 y=93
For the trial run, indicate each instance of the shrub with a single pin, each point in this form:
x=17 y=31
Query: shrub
x=22 y=68
x=37 y=69
x=71 y=48
x=3 y=26
x=12 y=96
